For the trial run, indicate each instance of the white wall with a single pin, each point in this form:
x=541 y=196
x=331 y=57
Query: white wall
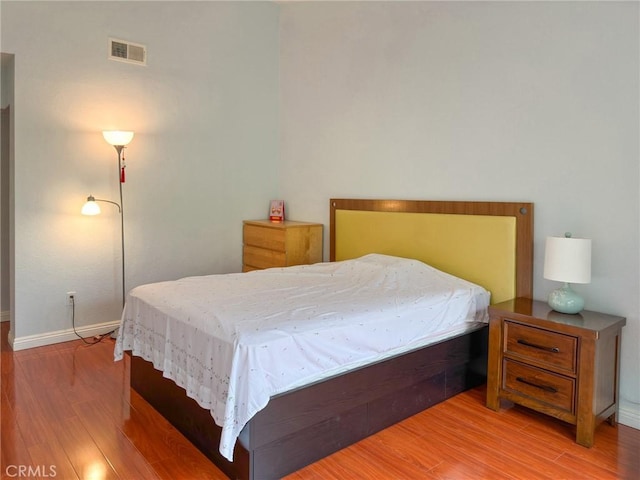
x=526 y=101
x=203 y=158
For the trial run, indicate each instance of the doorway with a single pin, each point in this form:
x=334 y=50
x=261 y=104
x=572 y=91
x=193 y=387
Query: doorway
x=7 y=120
x=4 y=213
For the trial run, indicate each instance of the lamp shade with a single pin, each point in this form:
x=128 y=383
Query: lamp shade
x=117 y=137
x=91 y=207
x=568 y=259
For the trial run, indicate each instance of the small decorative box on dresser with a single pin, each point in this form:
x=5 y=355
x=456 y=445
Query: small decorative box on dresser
x=267 y=244
x=566 y=366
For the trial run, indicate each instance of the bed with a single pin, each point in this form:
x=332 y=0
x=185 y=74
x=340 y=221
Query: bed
x=488 y=244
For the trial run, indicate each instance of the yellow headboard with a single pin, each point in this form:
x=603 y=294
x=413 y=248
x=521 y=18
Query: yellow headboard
x=487 y=243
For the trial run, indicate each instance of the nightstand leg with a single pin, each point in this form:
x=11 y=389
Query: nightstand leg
x=494 y=364
x=584 y=435
x=493 y=402
x=586 y=419
x=612 y=420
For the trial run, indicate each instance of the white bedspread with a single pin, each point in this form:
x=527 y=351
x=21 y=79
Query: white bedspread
x=232 y=341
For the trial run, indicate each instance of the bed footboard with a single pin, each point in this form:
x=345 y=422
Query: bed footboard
x=302 y=426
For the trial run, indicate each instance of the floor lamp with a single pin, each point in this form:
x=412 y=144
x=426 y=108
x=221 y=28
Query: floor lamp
x=119 y=140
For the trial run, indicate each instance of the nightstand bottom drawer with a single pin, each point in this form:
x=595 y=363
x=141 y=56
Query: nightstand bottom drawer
x=539 y=385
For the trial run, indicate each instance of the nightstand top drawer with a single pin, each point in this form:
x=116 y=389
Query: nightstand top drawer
x=545 y=348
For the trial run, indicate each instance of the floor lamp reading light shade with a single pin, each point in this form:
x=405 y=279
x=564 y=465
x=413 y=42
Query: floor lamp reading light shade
x=91 y=207
x=567 y=260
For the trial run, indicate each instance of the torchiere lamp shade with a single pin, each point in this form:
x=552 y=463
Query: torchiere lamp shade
x=117 y=137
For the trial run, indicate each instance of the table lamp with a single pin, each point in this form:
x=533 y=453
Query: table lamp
x=567 y=260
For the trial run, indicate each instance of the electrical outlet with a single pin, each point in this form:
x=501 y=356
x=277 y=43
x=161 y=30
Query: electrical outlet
x=71 y=296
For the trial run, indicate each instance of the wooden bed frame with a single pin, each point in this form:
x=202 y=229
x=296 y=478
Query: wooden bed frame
x=299 y=427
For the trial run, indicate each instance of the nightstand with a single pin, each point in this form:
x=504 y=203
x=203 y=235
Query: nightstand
x=267 y=244
x=566 y=366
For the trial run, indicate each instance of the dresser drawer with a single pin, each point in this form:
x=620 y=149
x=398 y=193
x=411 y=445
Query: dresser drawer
x=546 y=348
x=265 y=237
x=256 y=258
x=540 y=385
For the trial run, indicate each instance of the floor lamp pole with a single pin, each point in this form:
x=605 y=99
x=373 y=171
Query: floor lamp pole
x=119 y=148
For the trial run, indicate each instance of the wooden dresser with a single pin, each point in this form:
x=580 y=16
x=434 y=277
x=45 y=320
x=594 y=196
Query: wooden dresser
x=566 y=366
x=267 y=244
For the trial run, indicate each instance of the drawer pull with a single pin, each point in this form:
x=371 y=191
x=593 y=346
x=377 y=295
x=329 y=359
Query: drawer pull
x=546 y=388
x=539 y=347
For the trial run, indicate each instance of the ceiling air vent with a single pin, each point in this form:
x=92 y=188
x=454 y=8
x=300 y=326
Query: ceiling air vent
x=124 y=51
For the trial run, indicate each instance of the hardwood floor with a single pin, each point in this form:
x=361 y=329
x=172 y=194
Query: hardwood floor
x=67 y=412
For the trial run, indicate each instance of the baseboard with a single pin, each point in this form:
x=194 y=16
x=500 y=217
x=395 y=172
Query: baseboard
x=5 y=316
x=629 y=414
x=32 y=341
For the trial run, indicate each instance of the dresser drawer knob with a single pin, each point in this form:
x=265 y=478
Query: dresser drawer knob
x=539 y=347
x=546 y=388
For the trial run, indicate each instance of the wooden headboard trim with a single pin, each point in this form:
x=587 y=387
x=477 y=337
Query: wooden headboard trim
x=522 y=212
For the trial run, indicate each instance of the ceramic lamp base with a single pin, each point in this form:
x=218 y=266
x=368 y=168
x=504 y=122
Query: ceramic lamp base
x=565 y=300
